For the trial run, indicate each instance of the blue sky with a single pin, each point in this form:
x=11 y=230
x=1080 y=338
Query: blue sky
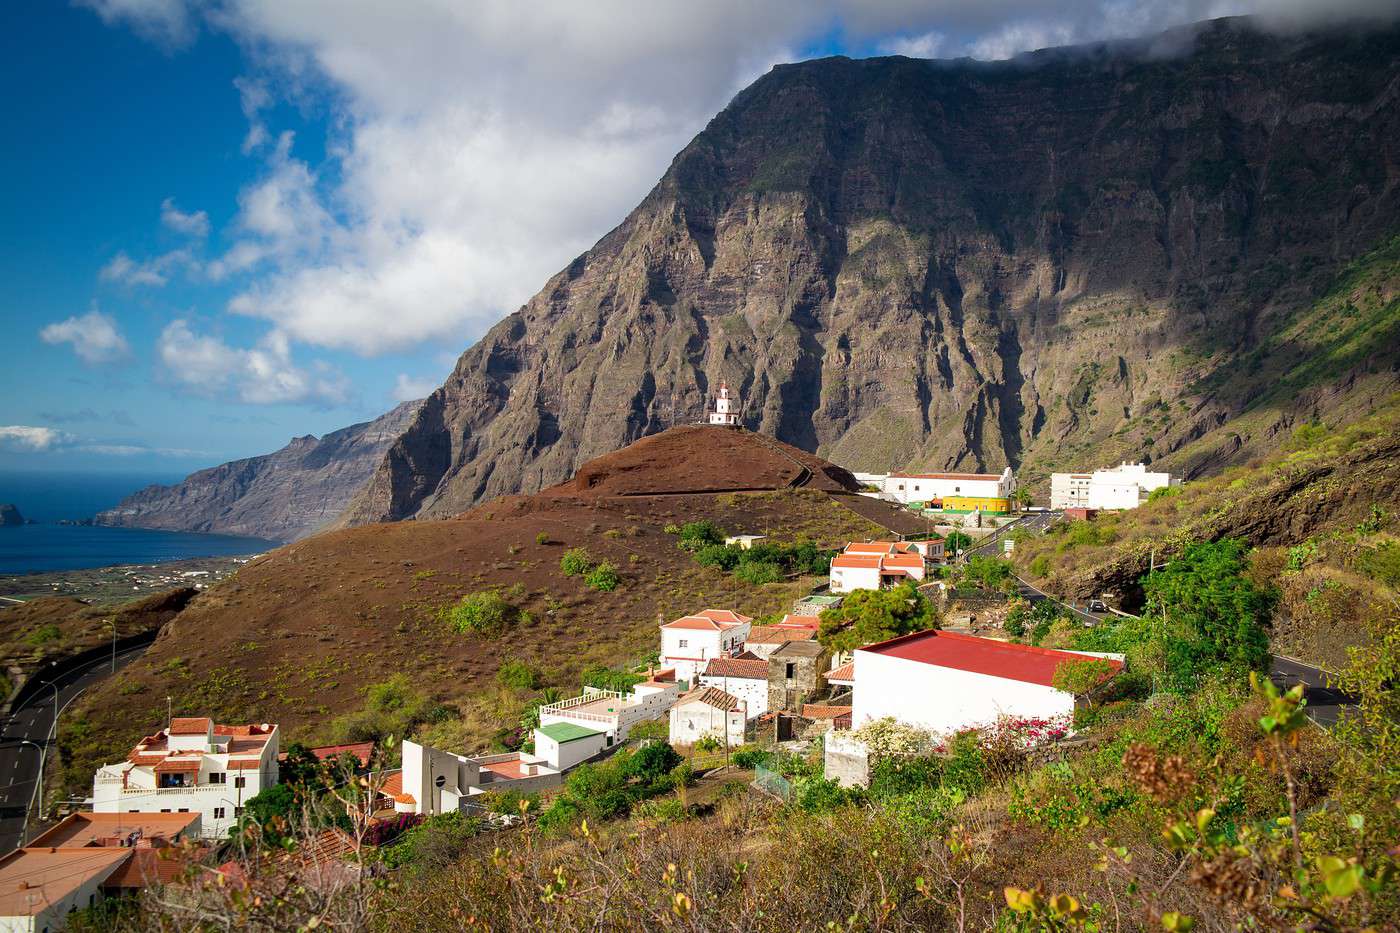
x=231 y=222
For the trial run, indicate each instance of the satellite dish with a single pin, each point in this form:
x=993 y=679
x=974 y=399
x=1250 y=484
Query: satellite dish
x=440 y=780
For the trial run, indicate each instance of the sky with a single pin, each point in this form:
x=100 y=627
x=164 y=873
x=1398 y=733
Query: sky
x=233 y=222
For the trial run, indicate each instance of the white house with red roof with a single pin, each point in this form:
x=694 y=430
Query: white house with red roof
x=708 y=712
x=688 y=643
x=193 y=766
x=745 y=679
x=946 y=681
x=873 y=565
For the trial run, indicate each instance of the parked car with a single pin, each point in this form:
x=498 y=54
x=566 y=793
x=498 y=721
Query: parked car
x=1097 y=605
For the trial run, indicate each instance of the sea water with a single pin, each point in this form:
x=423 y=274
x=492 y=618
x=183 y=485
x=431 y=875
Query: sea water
x=50 y=497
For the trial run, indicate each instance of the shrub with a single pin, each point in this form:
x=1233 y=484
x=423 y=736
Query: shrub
x=1164 y=492
x=575 y=562
x=748 y=756
x=990 y=572
x=708 y=743
x=1081 y=677
x=604 y=678
x=482 y=613
x=518 y=675
x=603 y=577
x=697 y=535
x=1381 y=563
x=1040 y=566
x=757 y=574
x=724 y=556
x=43 y=635
x=542 y=538
x=957 y=541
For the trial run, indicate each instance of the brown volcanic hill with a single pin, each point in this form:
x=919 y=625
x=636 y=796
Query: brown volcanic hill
x=297 y=634
x=1053 y=262
x=701 y=458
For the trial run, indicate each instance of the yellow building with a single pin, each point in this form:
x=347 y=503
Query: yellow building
x=974 y=503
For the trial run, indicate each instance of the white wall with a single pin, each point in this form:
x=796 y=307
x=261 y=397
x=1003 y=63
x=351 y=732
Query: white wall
x=916 y=489
x=564 y=755
x=752 y=690
x=941 y=699
x=848 y=579
x=700 y=646
x=692 y=721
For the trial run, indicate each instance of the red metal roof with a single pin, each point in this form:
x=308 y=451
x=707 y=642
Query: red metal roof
x=989 y=477
x=1024 y=663
x=196 y=726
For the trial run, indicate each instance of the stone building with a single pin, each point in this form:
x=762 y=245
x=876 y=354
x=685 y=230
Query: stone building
x=794 y=674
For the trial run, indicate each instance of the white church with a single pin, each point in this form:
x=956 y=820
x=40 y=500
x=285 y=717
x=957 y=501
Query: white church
x=726 y=408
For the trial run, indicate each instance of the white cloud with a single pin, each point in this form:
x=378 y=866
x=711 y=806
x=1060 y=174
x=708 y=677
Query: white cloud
x=169 y=22
x=254 y=98
x=195 y=224
x=927 y=45
x=26 y=437
x=95 y=337
x=124 y=270
x=264 y=375
x=409 y=388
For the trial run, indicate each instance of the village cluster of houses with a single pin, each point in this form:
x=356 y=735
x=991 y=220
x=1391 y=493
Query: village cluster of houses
x=1126 y=486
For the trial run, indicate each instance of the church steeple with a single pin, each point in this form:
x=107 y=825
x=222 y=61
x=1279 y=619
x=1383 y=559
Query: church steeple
x=726 y=408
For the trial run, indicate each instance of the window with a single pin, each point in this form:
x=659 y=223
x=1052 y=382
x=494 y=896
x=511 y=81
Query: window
x=218 y=813
x=218 y=777
x=183 y=810
x=240 y=781
x=165 y=810
x=684 y=643
x=133 y=811
x=791 y=670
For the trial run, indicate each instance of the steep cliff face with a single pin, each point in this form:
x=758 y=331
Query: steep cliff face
x=959 y=265
x=283 y=496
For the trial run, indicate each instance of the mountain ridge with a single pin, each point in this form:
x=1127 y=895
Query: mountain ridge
x=282 y=496
x=945 y=265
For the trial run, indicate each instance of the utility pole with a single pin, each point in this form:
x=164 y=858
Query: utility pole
x=113 y=623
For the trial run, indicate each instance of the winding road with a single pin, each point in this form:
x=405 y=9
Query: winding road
x=33 y=721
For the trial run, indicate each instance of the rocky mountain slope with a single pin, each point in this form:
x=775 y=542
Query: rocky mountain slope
x=282 y=496
x=1044 y=262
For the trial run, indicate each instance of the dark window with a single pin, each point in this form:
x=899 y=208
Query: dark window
x=791 y=670
x=218 y=813
x=165 y=810
x=218 y=777
x=240 y=781
x=183 y=810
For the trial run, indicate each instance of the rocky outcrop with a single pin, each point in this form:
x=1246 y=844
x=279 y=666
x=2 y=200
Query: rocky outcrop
x=282 y=496
x=9 y=514
x=952 y=265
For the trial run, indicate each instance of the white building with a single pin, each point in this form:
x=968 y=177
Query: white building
x=194 y=766
x=726 y=408
x=874 y=565
x=925 y=487
x=745 y=679
x=945 y=681
x=434 y=781
x=1123 y=487
x=708 y=711
x=565 y=744
x=688 y=643
x=744 y=541
x=613 y=713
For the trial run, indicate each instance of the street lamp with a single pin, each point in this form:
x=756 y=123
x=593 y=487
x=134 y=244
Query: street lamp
x=38 y=781
x=113 y=623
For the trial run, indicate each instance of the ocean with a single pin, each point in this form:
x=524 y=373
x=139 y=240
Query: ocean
x=49 y=497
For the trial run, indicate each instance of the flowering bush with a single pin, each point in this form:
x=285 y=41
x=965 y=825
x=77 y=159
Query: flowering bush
x=887 y=738
x=387 y=830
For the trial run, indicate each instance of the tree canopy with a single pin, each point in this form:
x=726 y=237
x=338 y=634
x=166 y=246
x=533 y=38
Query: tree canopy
x=868 y=616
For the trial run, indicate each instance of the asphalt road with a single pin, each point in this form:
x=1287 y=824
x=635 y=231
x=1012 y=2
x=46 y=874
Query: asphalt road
x=33 y=721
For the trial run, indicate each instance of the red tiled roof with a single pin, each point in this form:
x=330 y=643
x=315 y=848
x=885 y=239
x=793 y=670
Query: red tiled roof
x=91 y=829
x=712 y=696
x=793 y=620
x=147 y=867
x=393 y=788
x=990 y=477
x=195 y=726
x=909 y=561
x=870 y=547
x=713 y=620
x=855 y=561
x=756 y=669
x=244 y=764
x=177 y=766
x=1024 y=663
x=361 y=751
x=845 y=673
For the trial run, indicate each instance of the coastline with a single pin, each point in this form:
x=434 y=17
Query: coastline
x=119 y=583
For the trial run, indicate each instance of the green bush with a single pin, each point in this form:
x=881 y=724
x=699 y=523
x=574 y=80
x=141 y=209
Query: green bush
x=434 y=843
x=697 y=535
x=391 y=708
x=606 y=678
x=957 y=541
x=1381 y=563
x=1164 y=492
x=603 y=577
x=542 y=538
x=757 y=574
x=484 y=613
x=1081 y=677
x=575 y=562
x=1040 y=567
x=517 y=675
x=990 y=572
x=723 y=556
x=868 y=616
x=748 y=756
x=43 y=635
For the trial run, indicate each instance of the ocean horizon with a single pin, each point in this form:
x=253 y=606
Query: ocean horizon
x=48 y=498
